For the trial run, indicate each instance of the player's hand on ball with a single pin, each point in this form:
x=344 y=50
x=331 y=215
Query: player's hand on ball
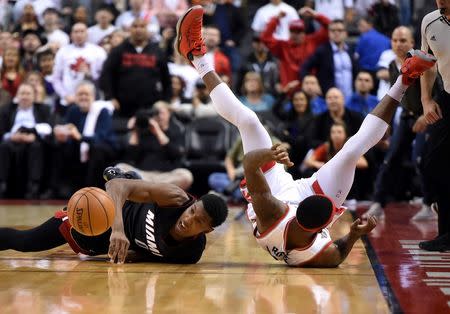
x=360 y=229
x=118 y=247
x=281 y=155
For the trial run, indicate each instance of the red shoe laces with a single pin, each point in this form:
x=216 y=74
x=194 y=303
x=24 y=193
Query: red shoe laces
x=196 y=31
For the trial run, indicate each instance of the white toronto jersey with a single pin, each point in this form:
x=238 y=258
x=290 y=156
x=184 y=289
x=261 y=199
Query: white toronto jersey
x=436 y=37
x=291 y=192
x=67 y=73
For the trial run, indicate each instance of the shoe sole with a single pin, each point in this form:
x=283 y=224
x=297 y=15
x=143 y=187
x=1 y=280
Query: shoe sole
x=180 y=21
x=422 y=55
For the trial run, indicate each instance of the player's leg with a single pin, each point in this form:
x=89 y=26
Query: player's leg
x=189 y=44
x=44 y=237
x=336 y=176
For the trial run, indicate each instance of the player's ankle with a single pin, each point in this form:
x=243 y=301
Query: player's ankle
x=202 y=65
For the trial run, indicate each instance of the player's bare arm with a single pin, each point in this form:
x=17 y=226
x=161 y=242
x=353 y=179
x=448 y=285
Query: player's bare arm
x=337 y=252
x=140 y=191
x=268 y=208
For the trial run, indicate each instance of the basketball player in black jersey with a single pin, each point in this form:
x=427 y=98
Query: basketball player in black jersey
x=159 y=222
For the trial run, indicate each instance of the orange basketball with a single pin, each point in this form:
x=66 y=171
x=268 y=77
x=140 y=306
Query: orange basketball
x=90 y=211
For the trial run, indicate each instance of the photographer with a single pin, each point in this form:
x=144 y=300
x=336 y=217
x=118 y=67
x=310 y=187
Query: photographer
x=23 y=125
x=156 y=145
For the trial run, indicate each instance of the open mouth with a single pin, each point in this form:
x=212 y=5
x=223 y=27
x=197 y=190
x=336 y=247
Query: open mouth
x=182 y=226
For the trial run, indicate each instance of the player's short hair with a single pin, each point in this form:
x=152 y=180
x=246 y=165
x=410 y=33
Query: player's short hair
x=315 y=212
x=216 y=208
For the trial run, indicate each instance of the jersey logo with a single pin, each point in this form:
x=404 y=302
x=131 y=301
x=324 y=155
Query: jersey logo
x=150 y=233
x=433 y=38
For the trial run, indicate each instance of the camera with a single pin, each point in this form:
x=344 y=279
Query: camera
x=142 y=117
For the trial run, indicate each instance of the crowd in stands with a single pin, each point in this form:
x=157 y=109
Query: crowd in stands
x=87 y=84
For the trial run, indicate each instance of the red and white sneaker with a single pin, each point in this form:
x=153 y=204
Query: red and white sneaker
x=189 y=41
x=415 y=64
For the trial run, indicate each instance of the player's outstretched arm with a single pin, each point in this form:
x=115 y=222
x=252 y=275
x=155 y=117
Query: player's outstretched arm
x=336 y=253
x=139 y=191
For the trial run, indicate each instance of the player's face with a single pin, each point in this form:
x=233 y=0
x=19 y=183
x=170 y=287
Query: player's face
x=444 y=4
x=194 y=221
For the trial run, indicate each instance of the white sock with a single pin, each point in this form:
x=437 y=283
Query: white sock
x=202 y=65
x=398 y=89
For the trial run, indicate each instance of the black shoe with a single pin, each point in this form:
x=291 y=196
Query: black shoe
x=439 y=244
x=114 y=172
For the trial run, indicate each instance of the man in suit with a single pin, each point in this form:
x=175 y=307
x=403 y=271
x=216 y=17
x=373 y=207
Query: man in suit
x=333 y=62
x=23 y=125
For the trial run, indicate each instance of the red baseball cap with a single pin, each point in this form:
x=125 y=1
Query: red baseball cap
x=296 y=25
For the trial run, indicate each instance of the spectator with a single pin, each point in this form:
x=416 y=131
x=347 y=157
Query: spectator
x=28 y=21
x=52 y=24
x=211 y=36
x=31 y=42
x=35 y=79
x=135 y=75
x=312 y=89
x=336 y=113
x=385 y=17
x=6 y=40
x=117 y=38
x=46 y=61
x=125 y=19
x=335 y=9
x=76 y=62
x=296 y=126
x=261 y=61
x=167 y=12
x=383 y=73
x=156 y=144
x=229 y=20
x=22 y=126
x=370 y=46
x=12 y=72
x=200 y=105
x=253 y=95
x=178 y=88
x=39 y=6
x=103 y=28
x=79 y=15
x=293 y=52
x=271 y=10
x=362 y=101
x=180 y=67
x=411 y=125
x=333 y=57
x=85 y=143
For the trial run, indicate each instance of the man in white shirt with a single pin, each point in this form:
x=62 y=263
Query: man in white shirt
x=334 y=9
x=265 y=13
x=76 y=62
x=125 y=19
x=103 y=28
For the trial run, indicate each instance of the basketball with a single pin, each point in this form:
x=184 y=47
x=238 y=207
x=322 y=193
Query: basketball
x=90 y=211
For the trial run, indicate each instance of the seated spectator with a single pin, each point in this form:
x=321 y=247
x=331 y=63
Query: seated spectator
x=85 y=143
x=12 y=72
x=52 y=28
x=253 y=95
x=39 y=6
x=312 y=89
x=28 y=21
x=261 y=61
x=46 y=61
x=31 y=42
x=362 y=101
x=35 y=79
x=337 y=137
x=296 y=126
x=178 y=88
x=156 y=144
x=167 y=12
x=103 y=28
x=333 y=62
x=180 y=67
x=23 y=125
x=212 y=37
x=200 y=105
x=336 y=113
x=293 y=52
x=385 y=16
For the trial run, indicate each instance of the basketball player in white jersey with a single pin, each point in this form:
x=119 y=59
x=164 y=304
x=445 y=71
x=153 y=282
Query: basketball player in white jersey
x=436 y=155
x=290 y=218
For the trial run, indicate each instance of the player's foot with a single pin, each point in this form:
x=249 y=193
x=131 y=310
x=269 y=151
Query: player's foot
x=189 y=41
x=113 y=172
x=415 y=64
x=439 y=244
x=374 y=210
x=425 y=213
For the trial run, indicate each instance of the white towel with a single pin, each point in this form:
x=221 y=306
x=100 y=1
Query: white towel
x=90 y=124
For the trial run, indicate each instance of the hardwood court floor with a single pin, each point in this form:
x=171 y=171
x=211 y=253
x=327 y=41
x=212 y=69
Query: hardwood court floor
x=233 y=276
